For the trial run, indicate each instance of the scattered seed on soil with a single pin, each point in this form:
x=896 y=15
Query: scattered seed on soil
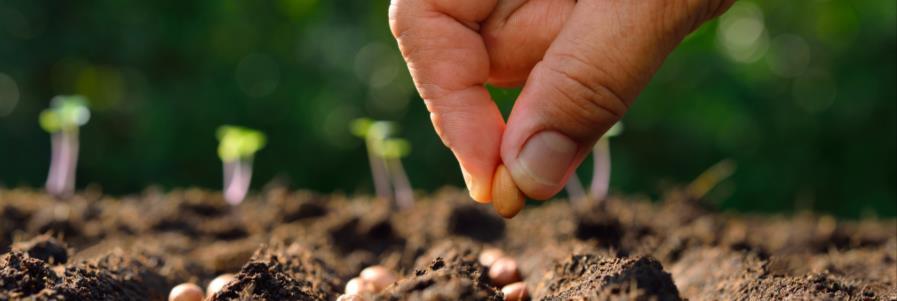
x=351 y=298
x=186 y=292
x=218 y=283
x=506 y=197
x=357 y=286
x=504 y=271
x=138 y=248
x=515 y=291
x=378 y=276
x=490 y=255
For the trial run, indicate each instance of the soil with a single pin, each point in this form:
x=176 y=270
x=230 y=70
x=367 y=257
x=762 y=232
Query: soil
x=299 y=245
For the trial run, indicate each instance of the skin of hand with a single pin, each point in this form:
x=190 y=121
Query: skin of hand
x=581 y=64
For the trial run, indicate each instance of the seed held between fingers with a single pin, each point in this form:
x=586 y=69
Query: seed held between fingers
x=186 y=292
x=515 y=291
x=503 y=272
x=379 y=276
x=218 y=283
x=489 y=256
x=506 y=197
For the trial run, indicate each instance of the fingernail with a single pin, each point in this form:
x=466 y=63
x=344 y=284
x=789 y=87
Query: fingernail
x=546 y=157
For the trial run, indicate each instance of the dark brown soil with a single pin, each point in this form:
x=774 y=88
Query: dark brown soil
x=297 y=245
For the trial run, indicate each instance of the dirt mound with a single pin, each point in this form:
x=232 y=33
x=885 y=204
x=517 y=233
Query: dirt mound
x=452 y=274
x=591 y=276
x=46 y=248
x=299 y=245
x=282 y=273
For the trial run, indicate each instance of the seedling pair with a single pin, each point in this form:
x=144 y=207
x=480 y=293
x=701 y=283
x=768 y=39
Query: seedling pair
x=385 y=154
x=66 y=114
x=237 y=149
x=601 y=171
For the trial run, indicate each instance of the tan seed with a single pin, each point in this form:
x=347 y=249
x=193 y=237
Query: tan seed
x=489 y=256
x=357 y=286
x=379 y=276
x=218 y=283
x=506 y=198
x=504 y=271
x=351 y=298
x=515 y=291
x=186 y=292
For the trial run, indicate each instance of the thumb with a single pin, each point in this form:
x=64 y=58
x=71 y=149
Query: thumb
x=605 y=54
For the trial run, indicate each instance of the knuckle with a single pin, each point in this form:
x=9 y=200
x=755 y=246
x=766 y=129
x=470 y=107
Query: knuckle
x=586 y=90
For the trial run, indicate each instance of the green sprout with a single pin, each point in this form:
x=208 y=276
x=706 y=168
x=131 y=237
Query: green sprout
x=710 y=178
x=237 y=147
x=601 y=170
x=385 y=155
x=62 y=120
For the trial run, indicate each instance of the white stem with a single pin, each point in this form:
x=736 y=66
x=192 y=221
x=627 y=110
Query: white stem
x=379 y=172
x=575 y=192
x=601 y=176
x=71 y=162
x=63 y=163
x=404 y=192
x=240 y=178
x=54 y=179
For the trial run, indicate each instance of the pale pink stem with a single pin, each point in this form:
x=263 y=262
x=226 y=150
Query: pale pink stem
x=240 y=178
x=601 y=176
x=404 y=192
x=63 y=163
x=379 y=172
x=71 y=162
x=54 y=179
x=575 y=192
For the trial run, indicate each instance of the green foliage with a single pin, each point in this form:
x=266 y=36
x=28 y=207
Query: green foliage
x=238 y=142
x=799 y=94
x=66 y=113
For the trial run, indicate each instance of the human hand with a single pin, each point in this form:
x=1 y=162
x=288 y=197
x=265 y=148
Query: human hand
x=581 y=64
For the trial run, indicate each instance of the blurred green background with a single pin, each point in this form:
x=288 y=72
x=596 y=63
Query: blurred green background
x=800 y=94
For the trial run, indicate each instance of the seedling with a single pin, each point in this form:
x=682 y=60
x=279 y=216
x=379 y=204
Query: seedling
x=601 y=171
x=710 y=178
x=385 y=157
x=393 y=150
x=237 y=148
x=62 y=120
x=601 y=163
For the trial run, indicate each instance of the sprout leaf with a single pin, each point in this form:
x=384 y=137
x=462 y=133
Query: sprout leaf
x=66 y=113
x=394 y=148
x=238 y=142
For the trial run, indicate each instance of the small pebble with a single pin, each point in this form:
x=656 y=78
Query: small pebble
x=219 y=282
x=357 y=286
x=515 y=291
x=186 y=292
x=490 y=255
x=379 y=276
x=503 y=272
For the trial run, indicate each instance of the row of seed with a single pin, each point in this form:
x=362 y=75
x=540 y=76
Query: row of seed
x=502 y=273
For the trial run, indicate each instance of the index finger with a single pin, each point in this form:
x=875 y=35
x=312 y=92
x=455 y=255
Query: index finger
x=447 y=58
